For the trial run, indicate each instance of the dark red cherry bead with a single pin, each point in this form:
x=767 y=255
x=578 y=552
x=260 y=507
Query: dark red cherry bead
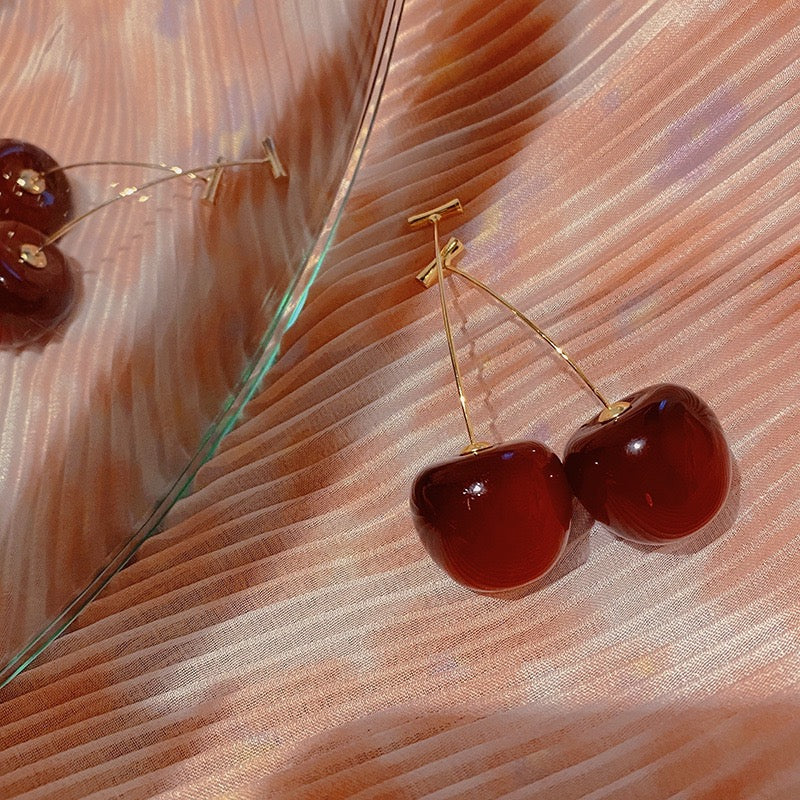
x=46 y=212
x=497 y=519
x=33 y=300
x=658 y=472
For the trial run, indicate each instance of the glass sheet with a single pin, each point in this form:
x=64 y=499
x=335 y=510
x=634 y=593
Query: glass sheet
x=181 y=304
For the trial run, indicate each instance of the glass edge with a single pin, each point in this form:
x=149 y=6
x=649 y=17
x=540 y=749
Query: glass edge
x=264 y=358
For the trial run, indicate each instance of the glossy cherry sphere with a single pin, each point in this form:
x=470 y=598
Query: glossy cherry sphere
x=497 y=519
x=50 y=206
x=33 y=298
x=658 y=472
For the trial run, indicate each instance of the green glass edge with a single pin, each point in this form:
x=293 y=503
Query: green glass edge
x=264 y=357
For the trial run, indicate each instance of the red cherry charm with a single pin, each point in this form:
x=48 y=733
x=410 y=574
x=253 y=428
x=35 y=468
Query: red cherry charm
x=27 y=194
x=497 y=519
x=659 y=471
x=36 y=286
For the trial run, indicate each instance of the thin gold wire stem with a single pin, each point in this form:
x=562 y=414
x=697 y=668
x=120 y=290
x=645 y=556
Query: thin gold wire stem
x=138 y=164
x=149 y=185
x=449 y=334
x=530 y=323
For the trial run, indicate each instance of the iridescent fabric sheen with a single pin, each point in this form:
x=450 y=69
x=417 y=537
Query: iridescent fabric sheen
x=629 y=173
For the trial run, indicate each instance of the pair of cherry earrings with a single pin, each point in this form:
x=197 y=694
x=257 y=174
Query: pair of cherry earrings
x=37 y=288
x=653 y=467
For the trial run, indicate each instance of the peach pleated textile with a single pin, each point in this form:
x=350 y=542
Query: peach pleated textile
x=629 y=173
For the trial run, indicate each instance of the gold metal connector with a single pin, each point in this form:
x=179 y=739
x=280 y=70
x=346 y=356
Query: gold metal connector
x=272 y=156
x=31 y=181
x=613 y=411
x=33 y=256
x=475 y=447
x=451 y=252
x=212 y=184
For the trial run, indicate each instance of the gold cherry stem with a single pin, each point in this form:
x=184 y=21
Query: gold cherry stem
x=474 y=445
x=532 y=325
x=137 y=164
x=129 y=192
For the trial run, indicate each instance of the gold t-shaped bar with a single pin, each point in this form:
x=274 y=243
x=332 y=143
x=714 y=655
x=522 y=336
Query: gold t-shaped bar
x=435 y=214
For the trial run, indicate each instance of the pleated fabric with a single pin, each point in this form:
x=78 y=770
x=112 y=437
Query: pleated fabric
x=629 y=177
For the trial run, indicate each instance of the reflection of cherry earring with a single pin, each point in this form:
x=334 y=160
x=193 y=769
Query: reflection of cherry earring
x=496 y=517
x=36 y=287
x=653 y=467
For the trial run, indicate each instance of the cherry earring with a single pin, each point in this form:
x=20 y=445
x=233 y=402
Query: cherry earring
x=36 y=286
x=653 y=467
x=497 y=517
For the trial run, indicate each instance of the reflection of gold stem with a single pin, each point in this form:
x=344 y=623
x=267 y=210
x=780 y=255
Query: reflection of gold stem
x=32 y=257
x=136 y=189
x=534 y=327
x=137 y=164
